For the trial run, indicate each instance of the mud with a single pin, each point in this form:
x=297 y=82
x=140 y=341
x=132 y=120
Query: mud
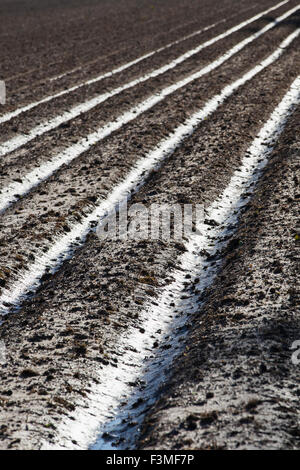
x=234 y=385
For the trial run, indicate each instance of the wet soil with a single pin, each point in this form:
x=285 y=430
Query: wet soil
x=240 y=380
x=235 y=386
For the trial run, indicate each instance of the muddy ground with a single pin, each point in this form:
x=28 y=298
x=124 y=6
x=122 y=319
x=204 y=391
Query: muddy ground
x=234 y=386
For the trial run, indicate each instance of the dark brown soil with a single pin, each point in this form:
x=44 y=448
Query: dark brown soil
x=235 y=385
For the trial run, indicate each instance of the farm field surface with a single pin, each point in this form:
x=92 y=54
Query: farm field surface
x=120 y=115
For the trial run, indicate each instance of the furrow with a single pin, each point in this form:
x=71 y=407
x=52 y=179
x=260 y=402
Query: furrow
x=169 y=66
x=103 y=422
x=12 y=192
x=29 y=278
